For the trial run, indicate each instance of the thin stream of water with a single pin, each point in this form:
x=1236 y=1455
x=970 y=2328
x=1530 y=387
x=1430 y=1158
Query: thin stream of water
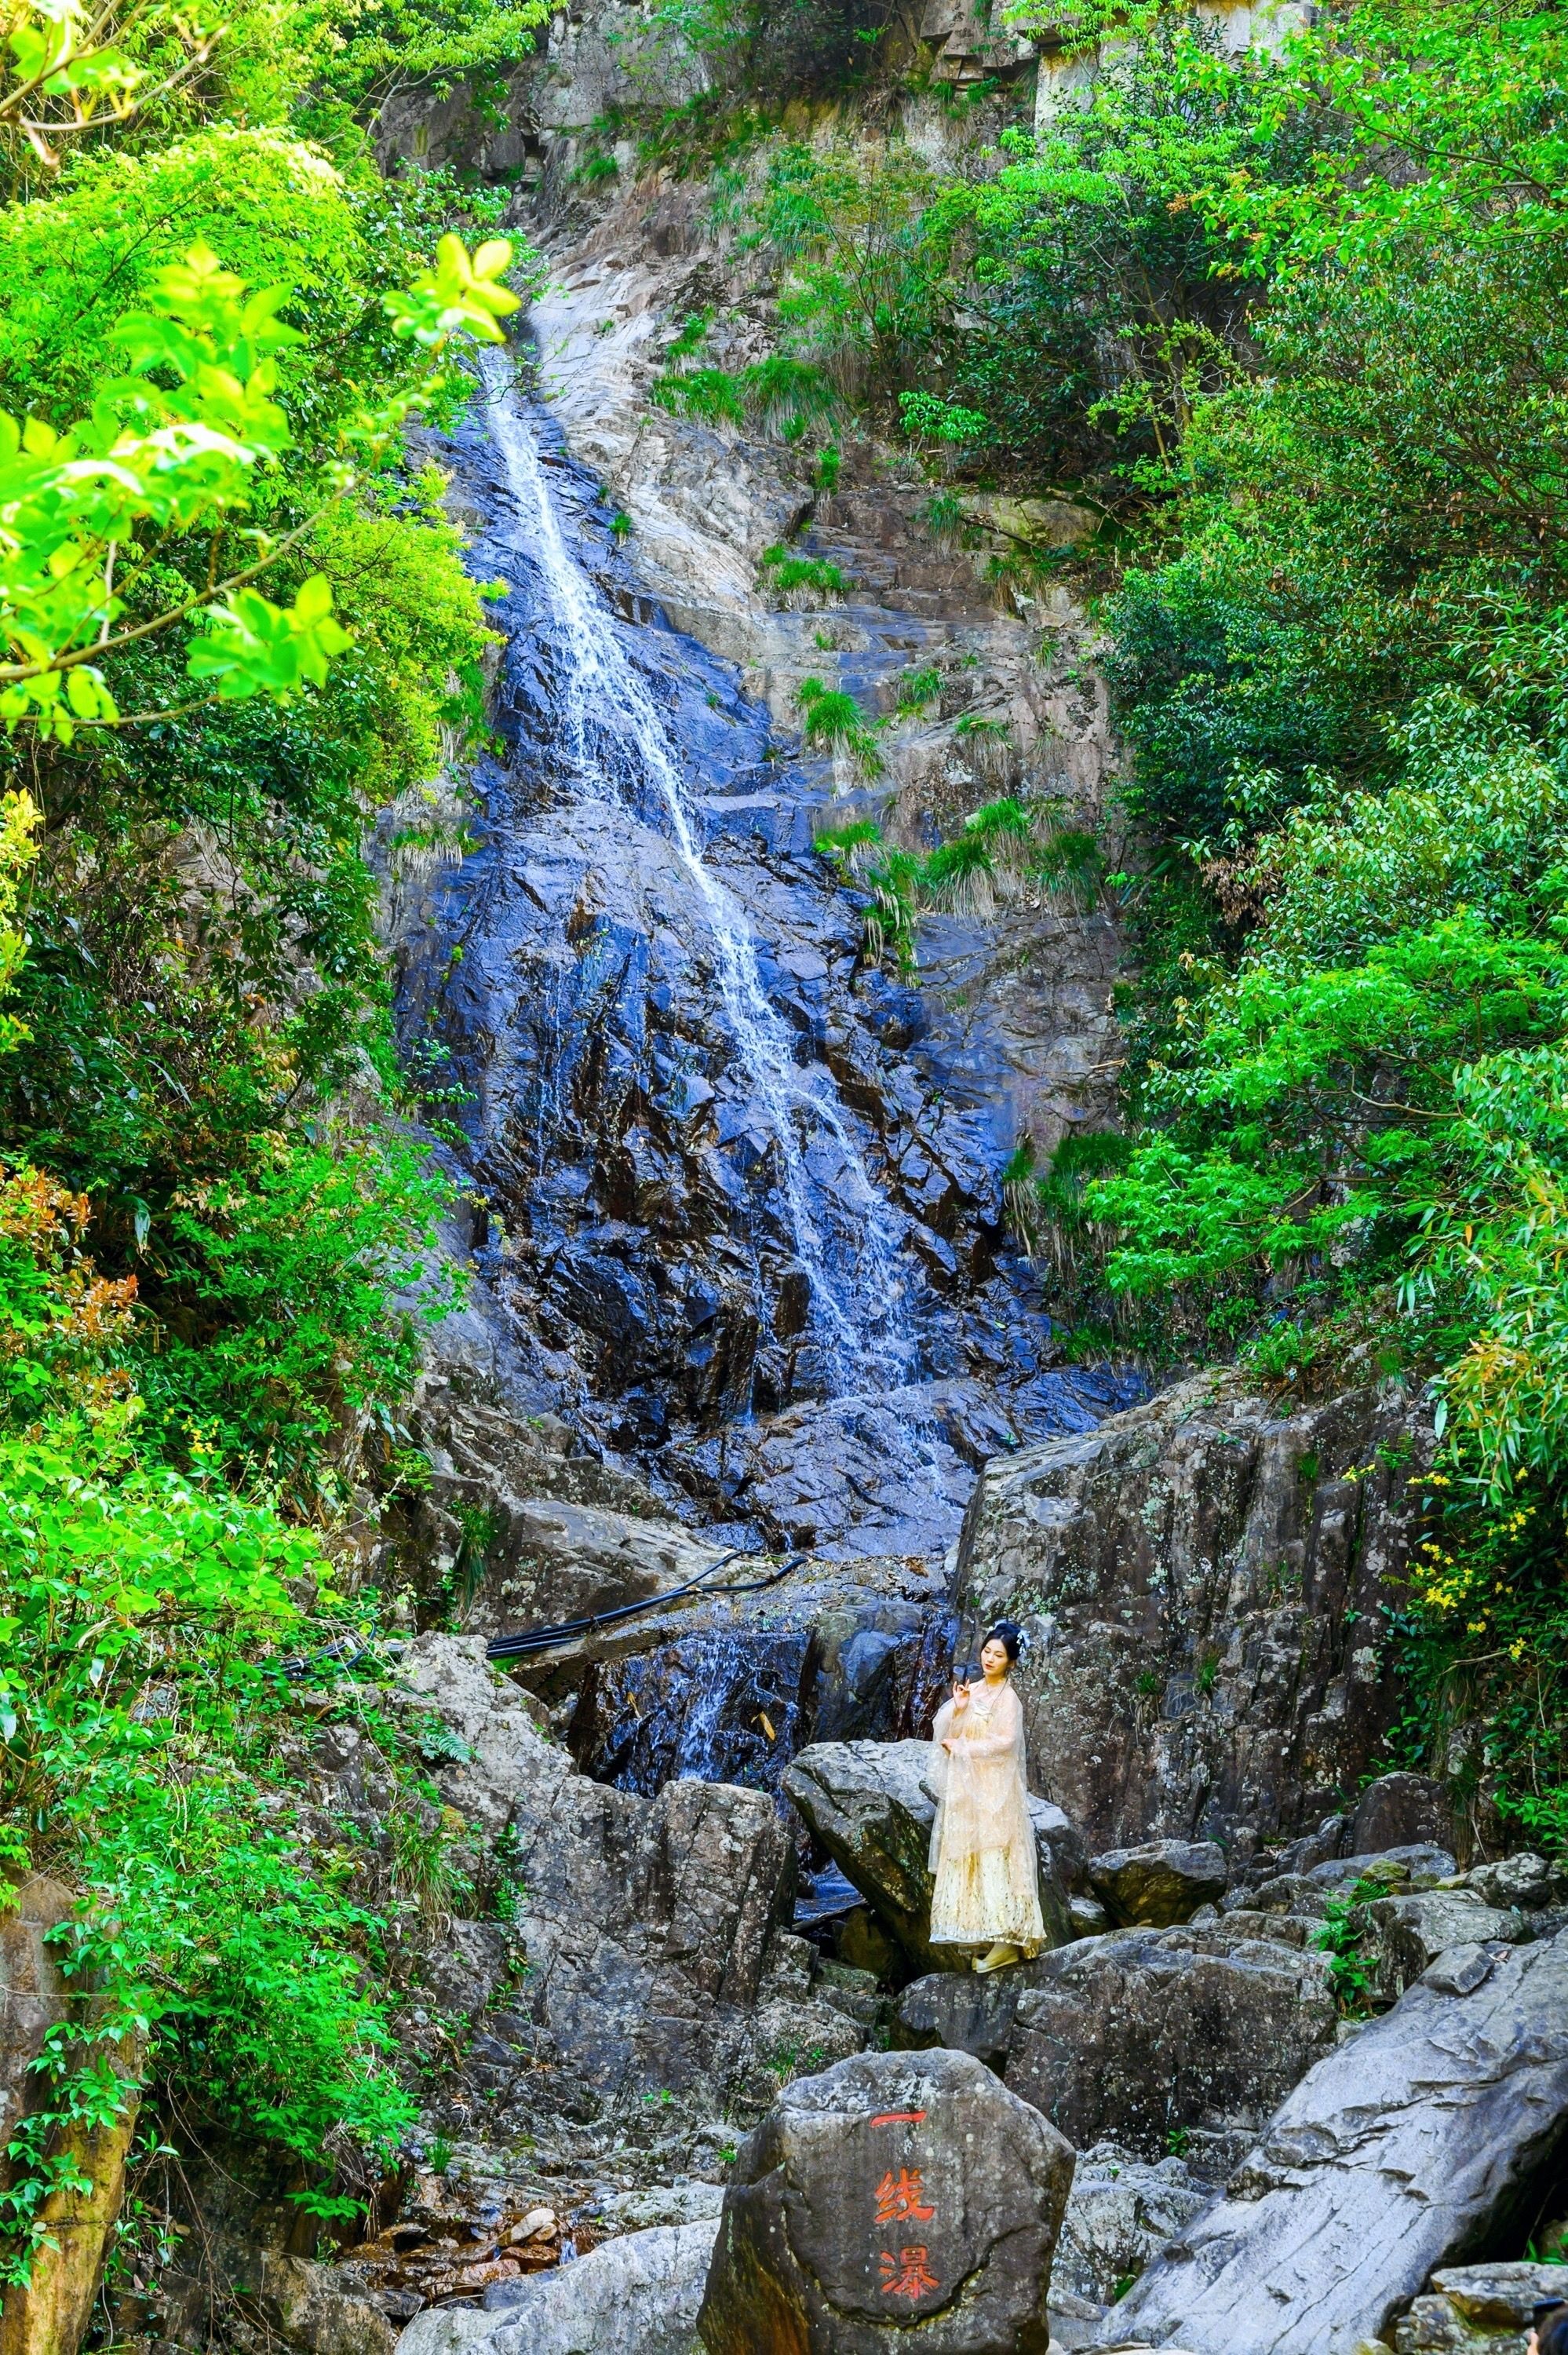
x=612 y=732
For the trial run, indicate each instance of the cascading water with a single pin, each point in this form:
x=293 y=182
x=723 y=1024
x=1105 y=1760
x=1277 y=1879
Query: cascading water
x=611 y=732
x=645 y=993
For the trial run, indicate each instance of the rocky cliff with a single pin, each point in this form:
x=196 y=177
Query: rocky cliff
x=1206 y=1585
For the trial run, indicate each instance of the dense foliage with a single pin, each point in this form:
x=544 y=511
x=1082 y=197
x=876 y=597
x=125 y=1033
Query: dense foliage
x=1337 y=672
x=233 y=625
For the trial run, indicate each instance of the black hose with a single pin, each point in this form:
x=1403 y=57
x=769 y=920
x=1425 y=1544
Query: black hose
x=530 y=1640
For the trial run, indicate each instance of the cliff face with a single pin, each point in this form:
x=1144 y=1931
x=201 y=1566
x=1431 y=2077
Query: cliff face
x=1204 y=1584
x=1018 y=1003
x=1202 y=1580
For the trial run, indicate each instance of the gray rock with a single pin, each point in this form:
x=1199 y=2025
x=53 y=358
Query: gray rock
x=638 y=2295
x=564 y=1534
x=1460 y=1970
x=1526 y=1880
x=1033 y=523
x=1205 y=1542
x=1146 y=2032
x=1399 y=1811
x=796 y=2039
x=301 y=2304
x=1074 y=2319
x=1312 y=1847
x=1160 y=1882
x=867 y=1803
x=964 y=2010
x=1294 y=1893
x=1407 y=2146
x=648 y=2208
x=1291 y=1929
x=1478 y=2309
x=1420 y=1863
x=1309 y=1894
x=1410 y=1933
x=854 y=1993
x=643 y=1923
x=901 y=2202
x=1120 y=2212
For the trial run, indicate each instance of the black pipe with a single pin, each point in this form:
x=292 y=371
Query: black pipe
x=523 y=1645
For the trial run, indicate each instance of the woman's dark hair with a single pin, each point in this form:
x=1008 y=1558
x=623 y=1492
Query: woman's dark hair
x=1552 y=2330
x=1009 y=1636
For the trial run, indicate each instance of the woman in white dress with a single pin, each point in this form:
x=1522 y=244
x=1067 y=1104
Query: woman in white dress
x=986 y=1894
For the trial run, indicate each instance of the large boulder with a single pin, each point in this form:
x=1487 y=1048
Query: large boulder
x=1405 y=2147
x=1149 y=2032
x=533 y=1530
x=965 y=2011
x=899 y=2204
x=1401 y=1811
x=1409 y=1933
x=1524 y=1880
x=1198 y=1582
x=868 y=1804
x=637 y=2294
x=1160 y=1882
x=643 y=1924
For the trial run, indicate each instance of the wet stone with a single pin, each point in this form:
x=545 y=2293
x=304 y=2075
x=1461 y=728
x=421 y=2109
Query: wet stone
x=729 y=1177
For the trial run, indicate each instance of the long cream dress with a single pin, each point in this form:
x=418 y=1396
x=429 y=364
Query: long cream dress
x=982 y=1844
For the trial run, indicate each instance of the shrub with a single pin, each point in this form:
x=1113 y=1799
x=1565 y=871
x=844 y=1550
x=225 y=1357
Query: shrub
x=787 y=573
x=830 y=719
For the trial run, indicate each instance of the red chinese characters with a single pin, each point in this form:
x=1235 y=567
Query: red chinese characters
x=908 y=2274
x=899 y=2198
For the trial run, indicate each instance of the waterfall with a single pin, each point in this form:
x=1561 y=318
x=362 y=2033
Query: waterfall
x=613 y=736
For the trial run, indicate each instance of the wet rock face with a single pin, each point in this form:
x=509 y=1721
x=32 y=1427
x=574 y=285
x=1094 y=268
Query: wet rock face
x=691 y=1707
x=734 y=1703
x=899 y=2201
x=1201 y=1585
x=1407 y=2147
x=642 y=1244
x=1146 y=2032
